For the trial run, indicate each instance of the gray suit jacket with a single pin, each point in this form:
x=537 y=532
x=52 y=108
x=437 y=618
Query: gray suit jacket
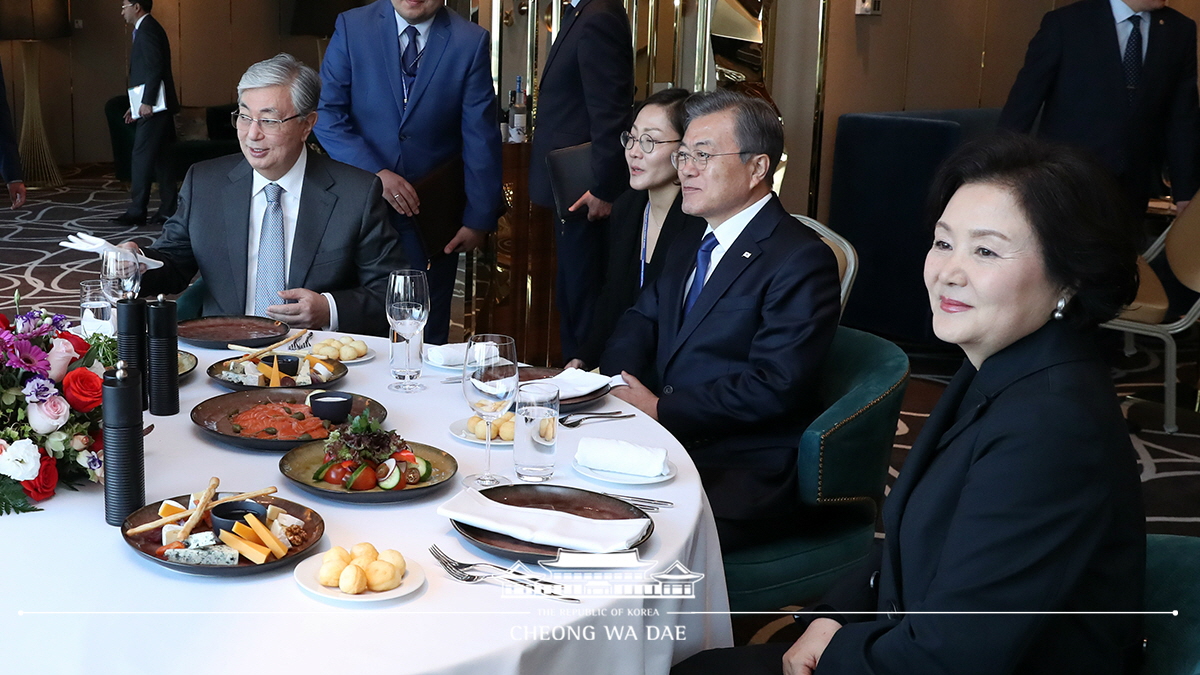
x=343 y=244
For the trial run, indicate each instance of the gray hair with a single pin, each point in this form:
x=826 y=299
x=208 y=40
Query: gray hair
x=757 y=128
x=285 y=70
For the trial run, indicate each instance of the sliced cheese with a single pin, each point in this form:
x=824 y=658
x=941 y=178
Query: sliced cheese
x=254 y=553
x=170 y=533
x=246 y=532
x=169 y=507
x=273 y=513
x=265 y=535
x=277 y=529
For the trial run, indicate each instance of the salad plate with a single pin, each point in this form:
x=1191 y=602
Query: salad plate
x=303 y=461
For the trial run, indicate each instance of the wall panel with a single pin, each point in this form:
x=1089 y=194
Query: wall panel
x=945 y=50
x=202 y=50
x=1010 y=26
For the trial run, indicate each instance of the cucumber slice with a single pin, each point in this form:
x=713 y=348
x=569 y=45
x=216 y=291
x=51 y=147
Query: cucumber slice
x=324 y=468
x=392 y=477
x=426 y=469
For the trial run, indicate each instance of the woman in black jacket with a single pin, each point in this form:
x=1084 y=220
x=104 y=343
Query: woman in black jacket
x=645 y=220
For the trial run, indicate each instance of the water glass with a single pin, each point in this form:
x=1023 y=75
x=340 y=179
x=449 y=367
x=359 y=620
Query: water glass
x=489 y=384
x=96 y=313
x=536 y=432
x=404 y=359
x=407 y=311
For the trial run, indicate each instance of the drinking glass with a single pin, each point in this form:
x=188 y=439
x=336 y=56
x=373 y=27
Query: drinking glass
x=407 y=311
x=96 y=314
x=536 y=433
x=489 y=384
x=119 y=273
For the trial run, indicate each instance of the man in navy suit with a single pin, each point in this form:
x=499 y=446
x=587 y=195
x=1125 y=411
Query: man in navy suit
x=585 y=94
x=150 y=67
x=406 y=88
x=725 y=348
x=10 y=160
x=1117 y=77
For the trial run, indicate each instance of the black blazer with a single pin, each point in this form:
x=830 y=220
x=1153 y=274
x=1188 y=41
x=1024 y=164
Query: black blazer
x=10 y=158
x=1073 y=75
x=586 y=94
x=150 y=63
x=737 y=378
x=1020 y=494
x=624 y=250
x=342 y=246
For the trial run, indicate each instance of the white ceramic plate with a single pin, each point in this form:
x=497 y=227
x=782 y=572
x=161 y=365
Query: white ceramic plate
x=623 y=478
x=362 y=359
x=445 y=369
x=458 y=429
x=306 y=576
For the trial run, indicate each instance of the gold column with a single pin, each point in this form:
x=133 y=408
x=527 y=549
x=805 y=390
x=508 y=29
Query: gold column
x=814 y=170
x=37 y=163
x=703 y=29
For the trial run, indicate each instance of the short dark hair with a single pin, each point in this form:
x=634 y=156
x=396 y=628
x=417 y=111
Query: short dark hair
x=147 y=5
x=1088 y=237
x=671 y=101
x=758 y=129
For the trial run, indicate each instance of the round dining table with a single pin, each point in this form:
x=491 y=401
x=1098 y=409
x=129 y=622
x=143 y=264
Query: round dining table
x=75 y=597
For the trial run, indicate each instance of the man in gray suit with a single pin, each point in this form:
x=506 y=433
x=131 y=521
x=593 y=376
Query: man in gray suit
x=280 y=232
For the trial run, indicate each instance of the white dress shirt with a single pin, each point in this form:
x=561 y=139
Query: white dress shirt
x=293 y=186
x=1121 y=13
x=727 y=233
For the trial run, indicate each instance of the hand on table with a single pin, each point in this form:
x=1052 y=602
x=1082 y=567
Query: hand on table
x=16 y=193
x=597 y=208
x=466 y=240
x=803 y=657
x=399 y=193
x=311 y=309
x=638 y=395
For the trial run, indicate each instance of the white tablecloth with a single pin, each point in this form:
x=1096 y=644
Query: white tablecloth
x=75 y=598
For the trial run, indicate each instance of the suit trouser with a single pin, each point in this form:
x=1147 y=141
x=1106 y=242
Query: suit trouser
x=581 y=247
x=440 y=275
x=153 y=137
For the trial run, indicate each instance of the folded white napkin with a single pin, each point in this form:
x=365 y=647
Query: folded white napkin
x=574 y=382
x=606 y=454
x=550 y=528
x=447 y=356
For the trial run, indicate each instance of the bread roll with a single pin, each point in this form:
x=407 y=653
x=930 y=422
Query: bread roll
x=364 y=550
x=331 y=572
x=338 y=553
x=393 y=556
x=382 y=576
x=353 y=580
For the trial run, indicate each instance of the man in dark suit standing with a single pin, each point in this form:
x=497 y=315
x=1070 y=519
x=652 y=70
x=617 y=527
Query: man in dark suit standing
x=407 y=92
x=150 y=67
x=585 y=94
x=725 y=348
x=1117 y=77
x=280 y=231
x=10 y=159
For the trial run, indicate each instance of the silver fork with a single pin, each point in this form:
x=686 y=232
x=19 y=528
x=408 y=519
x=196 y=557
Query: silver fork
x=302 y=342
x=447 y=561
x=593 y=418
x=468 y=578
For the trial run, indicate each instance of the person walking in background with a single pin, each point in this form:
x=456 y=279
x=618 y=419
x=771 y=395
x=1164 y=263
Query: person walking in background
x=407 y=95
x=150 y=68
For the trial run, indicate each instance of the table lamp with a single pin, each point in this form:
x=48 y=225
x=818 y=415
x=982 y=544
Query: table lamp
x=31 y=21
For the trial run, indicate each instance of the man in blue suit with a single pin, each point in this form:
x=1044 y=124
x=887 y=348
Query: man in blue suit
x=725 y=348
x=407 y=91
x=10 y=160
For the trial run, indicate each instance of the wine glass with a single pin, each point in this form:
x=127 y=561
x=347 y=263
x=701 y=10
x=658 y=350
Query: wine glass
x=407 y=311
x=119 y=273
x=489 y=385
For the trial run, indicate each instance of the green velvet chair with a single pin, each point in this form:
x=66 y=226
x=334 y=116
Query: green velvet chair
x=843 y=466
x=190 y=303
x=1172 y=583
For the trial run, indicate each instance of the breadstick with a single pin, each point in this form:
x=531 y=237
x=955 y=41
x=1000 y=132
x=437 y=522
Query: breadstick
x=281 y=343
x=201 y=507
x=184 y=514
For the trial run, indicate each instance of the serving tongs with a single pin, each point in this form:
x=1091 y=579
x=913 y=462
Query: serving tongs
x=89 y=244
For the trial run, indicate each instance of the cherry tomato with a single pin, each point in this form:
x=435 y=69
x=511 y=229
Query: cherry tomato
x=365 y=480
x=336 y=474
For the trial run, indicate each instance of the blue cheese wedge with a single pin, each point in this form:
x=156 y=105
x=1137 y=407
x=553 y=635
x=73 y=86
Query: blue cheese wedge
x=219 y=554
x=201 y=540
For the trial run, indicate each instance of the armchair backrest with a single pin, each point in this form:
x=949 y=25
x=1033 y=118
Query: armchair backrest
x=844 y=454
x=1172 y=584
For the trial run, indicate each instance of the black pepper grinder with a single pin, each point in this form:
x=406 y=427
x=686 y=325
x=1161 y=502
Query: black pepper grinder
x=163 y=356
x=131 y=339
x=124 y=457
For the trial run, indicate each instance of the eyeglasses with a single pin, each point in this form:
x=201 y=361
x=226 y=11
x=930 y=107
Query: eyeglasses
x=268 y=126
x=699 y=159
x=645 y=141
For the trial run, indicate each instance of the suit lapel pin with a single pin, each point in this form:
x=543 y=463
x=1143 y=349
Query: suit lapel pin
x=746 y=254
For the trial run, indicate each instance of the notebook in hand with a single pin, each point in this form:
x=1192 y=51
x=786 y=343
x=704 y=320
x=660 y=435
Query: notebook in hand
x=570 y=177
x=442 y=193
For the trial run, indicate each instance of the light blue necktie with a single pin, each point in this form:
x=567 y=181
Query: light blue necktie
x=271 y=274
x=703 y=258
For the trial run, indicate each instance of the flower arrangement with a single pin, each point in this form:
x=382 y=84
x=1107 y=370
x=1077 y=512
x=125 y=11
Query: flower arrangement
x=50 y=393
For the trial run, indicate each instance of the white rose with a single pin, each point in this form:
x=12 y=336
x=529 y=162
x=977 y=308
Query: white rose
x=20 y=460
x=49 y=415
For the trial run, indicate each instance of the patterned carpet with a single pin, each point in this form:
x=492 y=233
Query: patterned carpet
x=47 y=275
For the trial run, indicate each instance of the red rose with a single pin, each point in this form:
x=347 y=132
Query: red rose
x=80 y=345
x=4 y=325
x=42 y=487
x=83 y=389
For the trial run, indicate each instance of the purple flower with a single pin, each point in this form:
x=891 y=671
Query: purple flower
x=29 y=357
x=60 y=322
x=38 y=389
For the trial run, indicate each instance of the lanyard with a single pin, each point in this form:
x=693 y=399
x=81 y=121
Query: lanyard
x=645 y=235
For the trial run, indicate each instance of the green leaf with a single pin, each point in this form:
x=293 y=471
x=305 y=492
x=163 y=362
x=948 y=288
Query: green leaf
x=13 y=499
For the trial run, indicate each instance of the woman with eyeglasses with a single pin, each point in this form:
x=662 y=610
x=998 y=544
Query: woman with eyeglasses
x=644 y=221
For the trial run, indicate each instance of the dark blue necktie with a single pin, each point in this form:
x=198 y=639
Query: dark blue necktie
x=408 y=61
x=703 y=258
x=1133 y=57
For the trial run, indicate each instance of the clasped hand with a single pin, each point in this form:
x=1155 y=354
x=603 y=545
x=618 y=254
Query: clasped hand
x=310 y=309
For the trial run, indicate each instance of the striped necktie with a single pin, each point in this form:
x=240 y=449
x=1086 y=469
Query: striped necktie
x=271 y=276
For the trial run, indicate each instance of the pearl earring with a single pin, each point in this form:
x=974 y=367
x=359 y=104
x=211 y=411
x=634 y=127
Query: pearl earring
x=1058 y=309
